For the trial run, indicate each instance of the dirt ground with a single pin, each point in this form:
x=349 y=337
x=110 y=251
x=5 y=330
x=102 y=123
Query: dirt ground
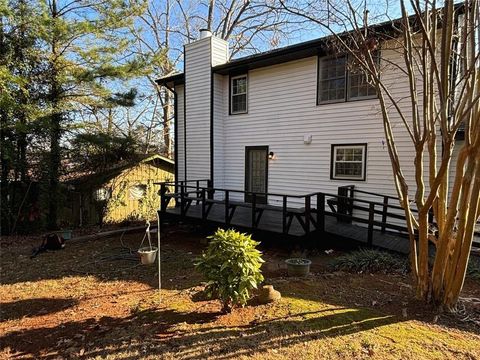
x=94 y=300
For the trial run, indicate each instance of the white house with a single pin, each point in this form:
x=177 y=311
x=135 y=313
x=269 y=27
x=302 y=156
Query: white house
x=288 y=121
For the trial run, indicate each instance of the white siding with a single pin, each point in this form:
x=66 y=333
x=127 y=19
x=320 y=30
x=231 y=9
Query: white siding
x=197 y=92
x=219 y=51
x=180 y=156
x=282 y=109
x=199 y=57
x=219 y=56
x=218 y=131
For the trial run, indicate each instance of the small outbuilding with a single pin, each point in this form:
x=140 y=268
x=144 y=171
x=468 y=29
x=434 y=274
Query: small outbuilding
x=122 y=192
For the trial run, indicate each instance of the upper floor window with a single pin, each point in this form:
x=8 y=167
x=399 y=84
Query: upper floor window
x=337 y=83
x=238 y=94
x=332 y=79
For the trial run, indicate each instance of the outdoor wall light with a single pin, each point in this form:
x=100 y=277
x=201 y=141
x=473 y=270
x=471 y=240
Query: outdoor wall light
x=272 y=156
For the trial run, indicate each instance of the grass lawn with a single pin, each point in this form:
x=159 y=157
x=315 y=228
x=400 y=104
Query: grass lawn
x=73 y=304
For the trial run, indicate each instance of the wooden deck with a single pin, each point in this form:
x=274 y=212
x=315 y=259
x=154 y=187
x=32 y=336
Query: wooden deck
x=347 y=215
x=271 y=221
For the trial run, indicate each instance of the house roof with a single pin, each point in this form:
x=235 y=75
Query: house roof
x=276 y=56
x=175 y=78
x=293 y=52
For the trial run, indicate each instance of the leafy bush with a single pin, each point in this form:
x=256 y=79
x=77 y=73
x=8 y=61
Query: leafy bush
x=371 y=261
x=231 y=263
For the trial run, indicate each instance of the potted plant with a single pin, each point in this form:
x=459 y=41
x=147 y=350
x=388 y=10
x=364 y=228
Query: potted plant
x=147 y=254
x=298 y=267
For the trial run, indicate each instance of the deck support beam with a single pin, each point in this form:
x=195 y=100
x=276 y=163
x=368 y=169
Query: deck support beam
x=321 y=212
x=371 y=218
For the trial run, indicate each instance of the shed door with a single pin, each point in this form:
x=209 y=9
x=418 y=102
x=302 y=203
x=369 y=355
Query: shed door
x=256 y=172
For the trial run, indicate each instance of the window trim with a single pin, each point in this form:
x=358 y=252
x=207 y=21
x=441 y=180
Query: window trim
x=333 y=161
x=246 y=165
x=346 y=97
x=359 y=98
x=319 y=68
x=230 y=94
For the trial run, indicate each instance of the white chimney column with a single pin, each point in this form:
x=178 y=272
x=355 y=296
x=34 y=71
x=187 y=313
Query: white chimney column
x=199 y=58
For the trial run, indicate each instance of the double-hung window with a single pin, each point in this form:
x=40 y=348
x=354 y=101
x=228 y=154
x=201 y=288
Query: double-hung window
x=238 y=94
x=348 y=162
x=337 y=82
x=332 y=79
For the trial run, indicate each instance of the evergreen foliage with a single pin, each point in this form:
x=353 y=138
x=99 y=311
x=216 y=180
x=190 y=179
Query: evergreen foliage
x=231 y=264
x=371 y=261
x=58 y=61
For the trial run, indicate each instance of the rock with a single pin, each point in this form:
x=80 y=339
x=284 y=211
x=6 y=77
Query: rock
x=268 y=294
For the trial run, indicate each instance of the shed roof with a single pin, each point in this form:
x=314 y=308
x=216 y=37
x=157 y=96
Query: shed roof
x=105 y=175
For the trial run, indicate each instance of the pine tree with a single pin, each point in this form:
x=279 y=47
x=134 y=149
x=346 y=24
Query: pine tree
x=86 y=47
x=20 y=66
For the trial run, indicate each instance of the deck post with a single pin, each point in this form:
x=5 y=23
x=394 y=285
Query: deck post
x=227 y=207
x=307 y=213
x=384 y=213
x=254 y=208
x=175 y=191
x=371 y=214
x=351 y=195
x=344 y=204
x=210 y=187
x=197 y=189
x=163 y=202
x=284 y=214
x=321 y=212
x=204 y=212
x=182 y=200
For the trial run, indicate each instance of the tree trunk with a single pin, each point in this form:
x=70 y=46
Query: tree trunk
x=55 y=134
x=6 y=221
x=54 y=171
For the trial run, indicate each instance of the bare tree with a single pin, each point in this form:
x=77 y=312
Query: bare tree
x=438 y=48
x=165 y=26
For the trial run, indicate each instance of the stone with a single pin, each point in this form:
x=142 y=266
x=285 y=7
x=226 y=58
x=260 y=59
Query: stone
x=268 y=294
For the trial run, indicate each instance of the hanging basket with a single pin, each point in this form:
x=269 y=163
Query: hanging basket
x=147 y=255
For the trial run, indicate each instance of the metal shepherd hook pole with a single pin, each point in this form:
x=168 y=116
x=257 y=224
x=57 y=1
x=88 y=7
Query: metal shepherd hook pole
x=158 y=254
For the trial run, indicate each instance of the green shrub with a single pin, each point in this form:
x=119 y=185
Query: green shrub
x=371 y=261
x=231 y=263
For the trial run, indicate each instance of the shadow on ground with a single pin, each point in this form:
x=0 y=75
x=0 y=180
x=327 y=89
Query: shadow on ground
x=329 y=307
x=33 y=307
x=160 y=334
x=107 y=259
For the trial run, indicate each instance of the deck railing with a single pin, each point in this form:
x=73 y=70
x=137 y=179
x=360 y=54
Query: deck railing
x=309 y=209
